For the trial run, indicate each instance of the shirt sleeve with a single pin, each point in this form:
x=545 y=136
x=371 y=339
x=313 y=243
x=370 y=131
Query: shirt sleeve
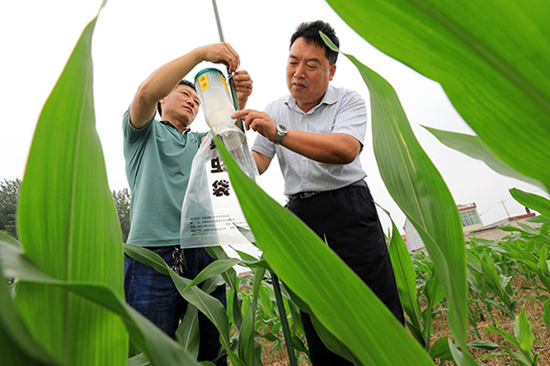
x=132 y=134
x=134 y=145
x=351 y=117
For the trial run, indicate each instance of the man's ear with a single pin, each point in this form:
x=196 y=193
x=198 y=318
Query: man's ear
x=332 y=70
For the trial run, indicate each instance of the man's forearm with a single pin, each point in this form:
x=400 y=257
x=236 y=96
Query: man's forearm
x=332 y=148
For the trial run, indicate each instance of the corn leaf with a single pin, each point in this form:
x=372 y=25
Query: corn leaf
x=213 y=269
x=68 y=224
x=475 y=148
x=533 y=201
x=17 y=346
x=405 y=277
x=188 y=331
x=523 y=333
x=491 y=58
x=338 y=298
x=208 y=305
x=248 y=346
x=418 y=189
x=158 y=347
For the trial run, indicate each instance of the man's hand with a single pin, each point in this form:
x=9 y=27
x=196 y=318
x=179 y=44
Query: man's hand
x=259 y=122
x=243 y=87
x=220 y=53
x=329 y=148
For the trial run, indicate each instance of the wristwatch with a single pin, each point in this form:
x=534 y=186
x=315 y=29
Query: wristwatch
x=281 y=133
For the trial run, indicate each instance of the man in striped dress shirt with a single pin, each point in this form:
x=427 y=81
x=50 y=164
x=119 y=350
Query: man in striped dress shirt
x=317 y=133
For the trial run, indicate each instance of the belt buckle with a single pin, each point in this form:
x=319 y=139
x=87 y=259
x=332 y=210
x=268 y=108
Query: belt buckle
x=304 y=195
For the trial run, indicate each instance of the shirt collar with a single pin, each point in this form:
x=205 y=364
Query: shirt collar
x=330 y=97
x=170 y=124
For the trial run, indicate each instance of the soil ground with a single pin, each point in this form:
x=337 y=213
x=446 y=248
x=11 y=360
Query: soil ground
x=534 y=310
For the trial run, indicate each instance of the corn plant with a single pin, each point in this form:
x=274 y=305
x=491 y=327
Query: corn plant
x=416 y=288
x=491 y=59
x=522 y=339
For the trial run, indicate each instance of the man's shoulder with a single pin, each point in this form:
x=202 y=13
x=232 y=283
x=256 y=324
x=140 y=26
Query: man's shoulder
x=127 y=123
x=341 y=93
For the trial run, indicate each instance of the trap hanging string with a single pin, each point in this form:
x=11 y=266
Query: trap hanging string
x=230 y=76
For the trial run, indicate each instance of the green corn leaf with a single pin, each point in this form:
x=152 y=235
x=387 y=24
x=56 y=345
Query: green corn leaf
x=208 y=305
x=17 y=346
x=158 y=347
x=249 y=348
x=68 y=224
x=405 y=277
x=546 y=315
x=491 y=58
x=417 y=187
x=213 y=269
x=533 y=201
x=474 y=147
x=234 y=304
x=188 y=331
x=485 y=345
x=524 y=334
x=440 y=349
x=138 y=360
x=507 y=336
x=331 y=342
x=339 y=299
x=6 y=239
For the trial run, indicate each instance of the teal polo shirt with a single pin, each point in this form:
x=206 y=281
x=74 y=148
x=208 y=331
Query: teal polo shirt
x=158 y=164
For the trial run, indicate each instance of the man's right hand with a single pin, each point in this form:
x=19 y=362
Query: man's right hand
x=220 y=53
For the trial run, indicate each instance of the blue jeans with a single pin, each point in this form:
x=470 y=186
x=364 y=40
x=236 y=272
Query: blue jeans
x=155 y=296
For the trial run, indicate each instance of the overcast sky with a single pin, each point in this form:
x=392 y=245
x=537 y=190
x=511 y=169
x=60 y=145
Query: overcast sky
x=134 y=37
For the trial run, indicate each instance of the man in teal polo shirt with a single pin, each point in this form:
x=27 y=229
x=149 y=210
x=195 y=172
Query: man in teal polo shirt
x=158 y=156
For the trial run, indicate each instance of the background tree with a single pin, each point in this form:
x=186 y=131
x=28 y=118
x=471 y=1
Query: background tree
x=9 y=196
x=122 y=203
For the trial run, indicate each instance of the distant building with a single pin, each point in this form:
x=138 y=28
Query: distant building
x=469 y=217
x=471 y=226
x=492 y=231
x=412 y=237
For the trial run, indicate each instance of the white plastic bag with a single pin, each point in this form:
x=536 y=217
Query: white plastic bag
x=211 y=213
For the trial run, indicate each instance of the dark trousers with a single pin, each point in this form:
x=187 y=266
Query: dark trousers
x=155 y=296
x=347 y=220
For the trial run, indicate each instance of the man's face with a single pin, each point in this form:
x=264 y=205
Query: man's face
x=308 y=73
x=181 y=105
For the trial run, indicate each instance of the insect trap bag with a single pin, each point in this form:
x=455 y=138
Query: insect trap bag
x=211 y=213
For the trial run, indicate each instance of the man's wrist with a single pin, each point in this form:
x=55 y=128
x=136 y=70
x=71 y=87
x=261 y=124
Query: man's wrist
x=281 y=133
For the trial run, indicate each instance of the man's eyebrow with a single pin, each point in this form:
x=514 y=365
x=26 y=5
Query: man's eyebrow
x=313 y=59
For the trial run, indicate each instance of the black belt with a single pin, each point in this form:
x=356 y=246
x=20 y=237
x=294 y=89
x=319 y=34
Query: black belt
x=304 y=195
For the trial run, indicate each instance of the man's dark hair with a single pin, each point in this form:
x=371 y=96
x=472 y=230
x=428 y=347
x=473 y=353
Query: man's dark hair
x=183 y=82
x=310 y=32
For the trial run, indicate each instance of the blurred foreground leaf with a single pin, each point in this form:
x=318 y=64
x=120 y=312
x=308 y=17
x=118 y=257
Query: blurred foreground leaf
x=338 y=298
x=418 y=189
x=159 y=348
x=68 y=224
x=475 y=148
x=491 y=57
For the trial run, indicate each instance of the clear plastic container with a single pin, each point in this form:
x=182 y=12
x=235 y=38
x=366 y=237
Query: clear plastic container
x=218 y=108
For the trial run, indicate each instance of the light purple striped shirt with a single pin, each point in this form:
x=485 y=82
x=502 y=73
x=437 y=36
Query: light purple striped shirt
x=340 y=111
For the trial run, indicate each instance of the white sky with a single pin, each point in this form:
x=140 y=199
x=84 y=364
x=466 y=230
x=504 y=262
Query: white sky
x=134 y=37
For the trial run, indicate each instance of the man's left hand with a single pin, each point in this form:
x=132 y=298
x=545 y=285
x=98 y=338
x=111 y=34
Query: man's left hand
x=243 y=87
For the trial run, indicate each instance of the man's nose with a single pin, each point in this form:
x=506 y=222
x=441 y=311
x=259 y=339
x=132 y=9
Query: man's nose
x=299 y=72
